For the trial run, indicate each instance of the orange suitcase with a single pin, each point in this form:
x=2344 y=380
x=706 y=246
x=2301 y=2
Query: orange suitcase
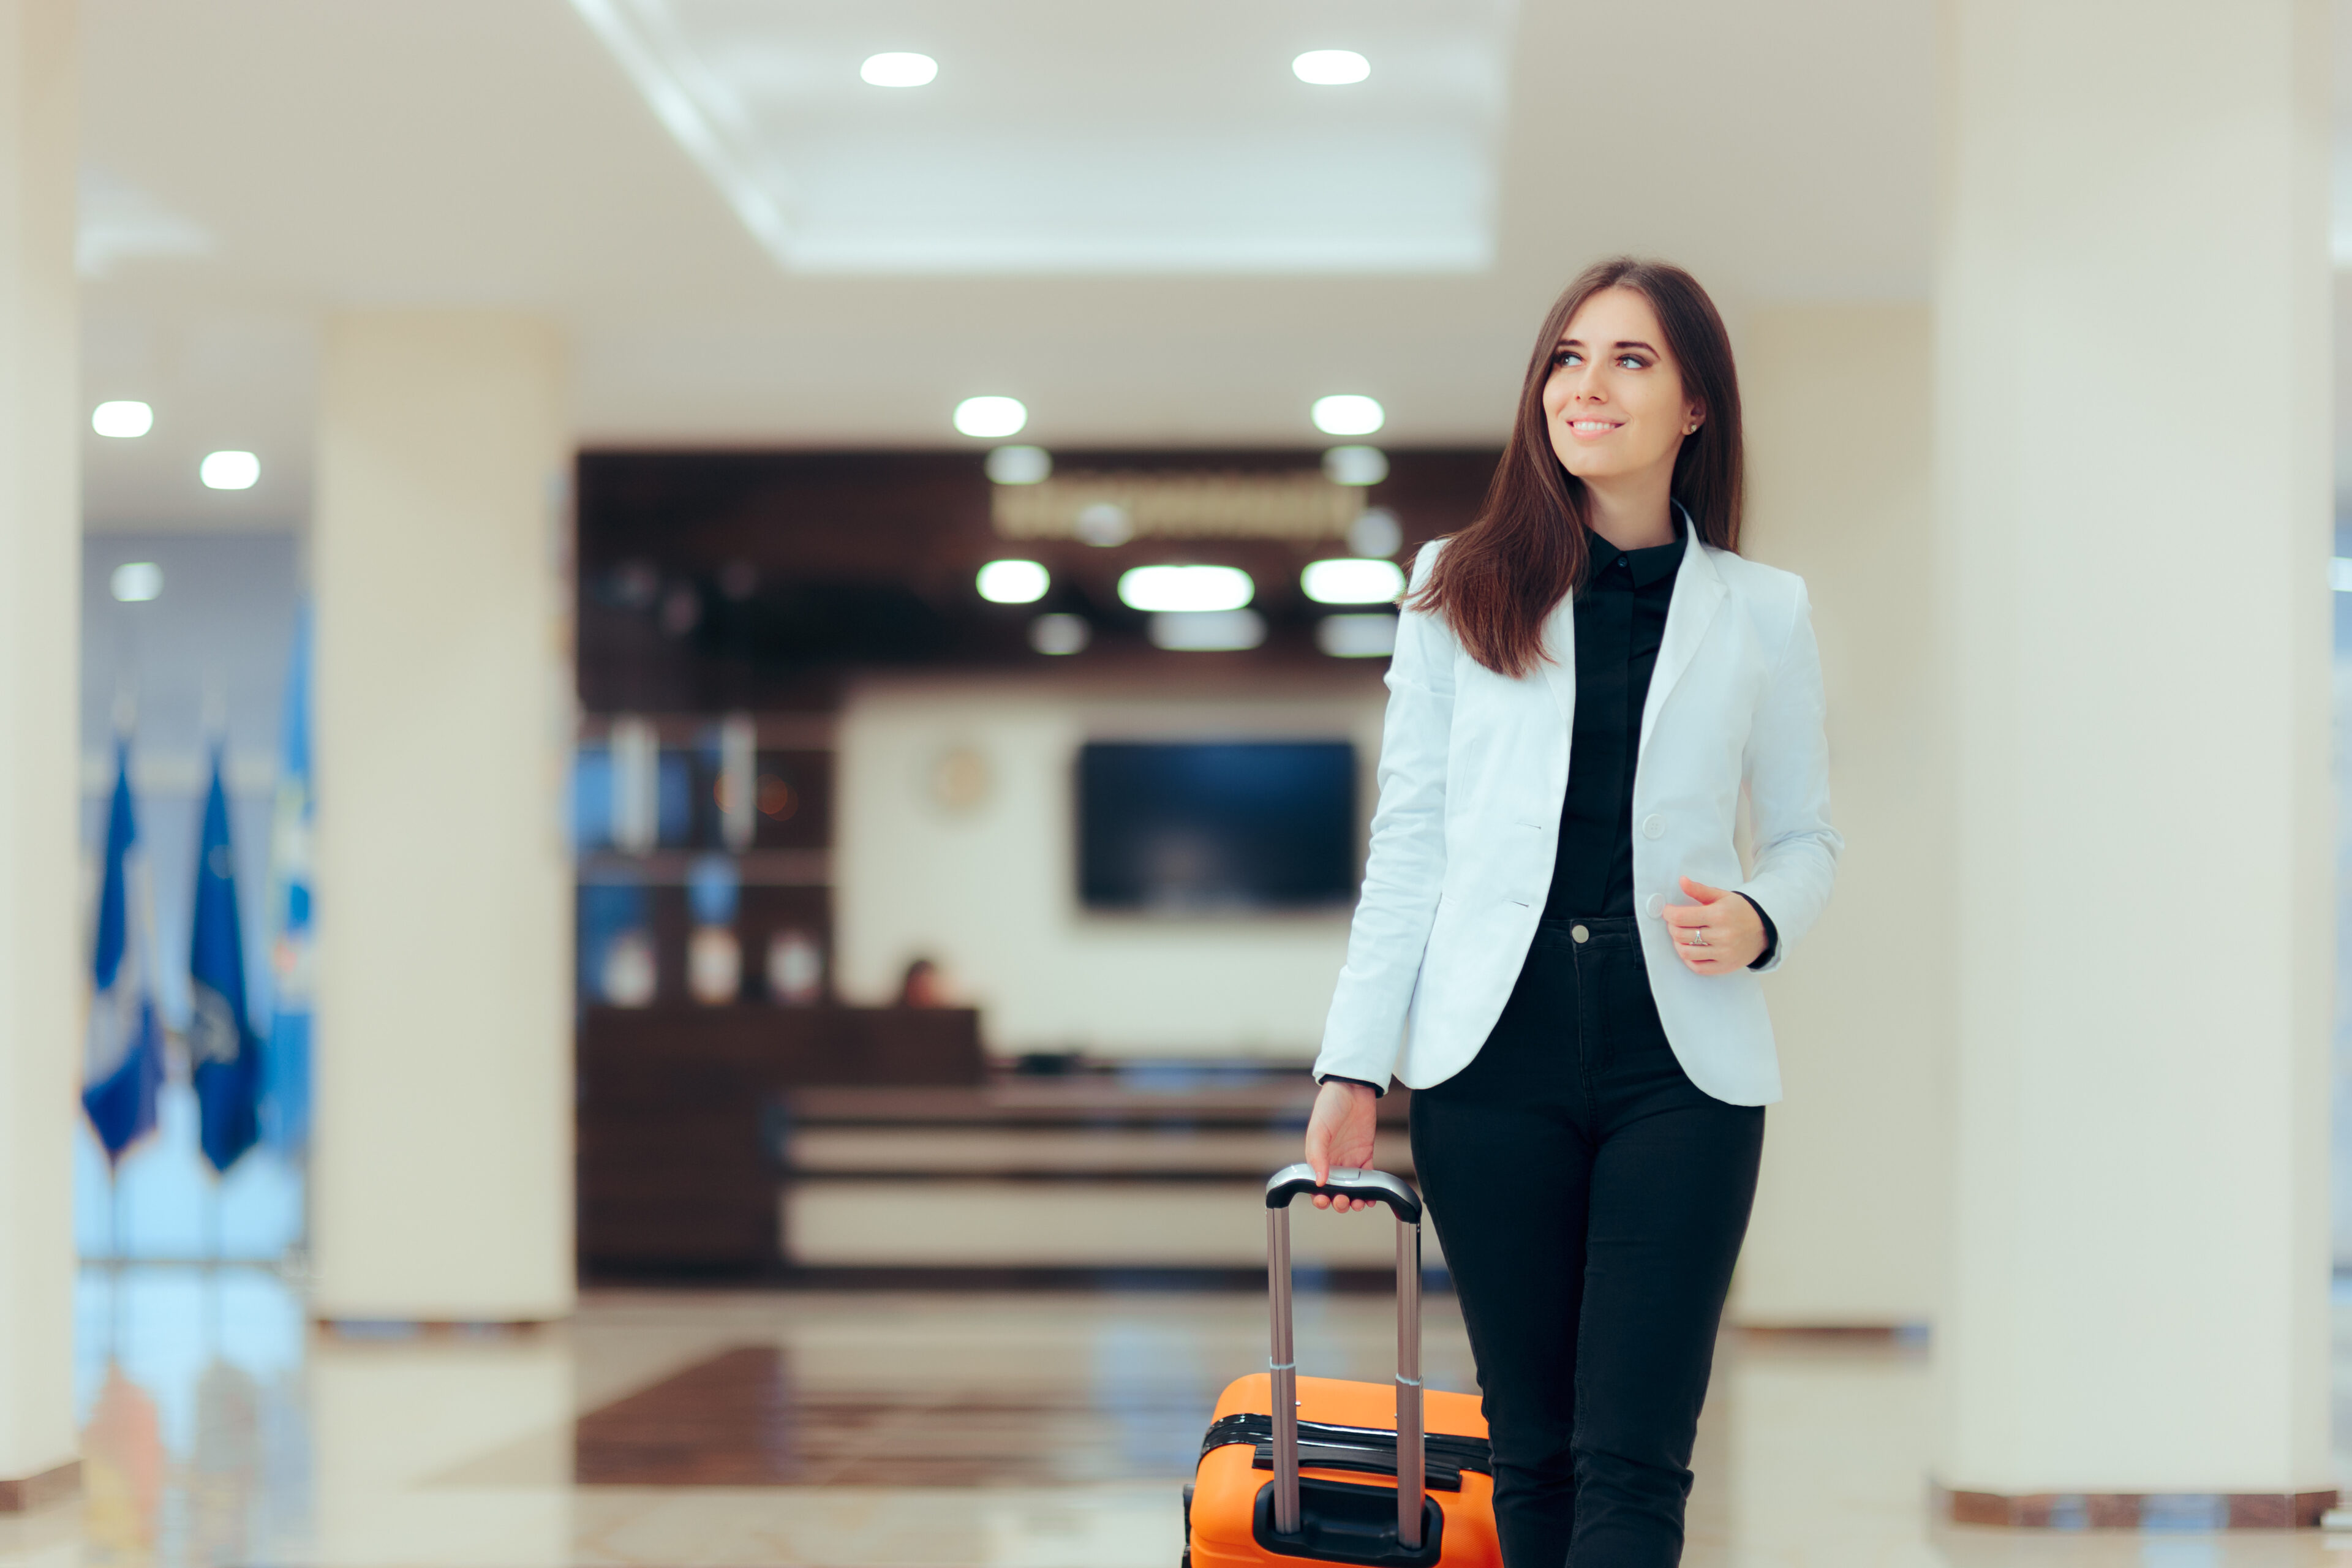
x=1360 y=1472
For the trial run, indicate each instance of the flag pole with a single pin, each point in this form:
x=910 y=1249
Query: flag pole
x=126 y=723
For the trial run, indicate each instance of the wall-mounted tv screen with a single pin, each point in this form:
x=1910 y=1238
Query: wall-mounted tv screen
x=1203 y=826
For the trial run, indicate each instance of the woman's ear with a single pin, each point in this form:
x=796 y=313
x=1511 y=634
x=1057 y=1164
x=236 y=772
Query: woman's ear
x=1696 y=417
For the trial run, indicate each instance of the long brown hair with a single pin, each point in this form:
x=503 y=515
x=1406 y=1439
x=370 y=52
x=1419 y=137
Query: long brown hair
x=1497 y=579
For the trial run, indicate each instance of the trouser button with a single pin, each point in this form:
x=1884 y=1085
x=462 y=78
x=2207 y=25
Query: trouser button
x=1580 y=933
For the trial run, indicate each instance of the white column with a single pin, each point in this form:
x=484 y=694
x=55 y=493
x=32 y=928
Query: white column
x=443 y=1147
x=1852 y=1213
x=41 y=995
x=2134 y=485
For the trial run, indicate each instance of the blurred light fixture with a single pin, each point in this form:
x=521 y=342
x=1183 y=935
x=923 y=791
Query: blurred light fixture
x=229 y=470
x=1348 y=414
x=739 y=580
x=680 y=611
x=1060 y=634
x=1330 y=68
x=2340 y=573
x=1020 y=465
x=1355 y=464
x=1376 y=532
x=990 y=417
x=1013 y=582
x=1104 y=523
x=136 y=582
x=899 y=70
x=1185 y=588
x=1207 y=631
x=635 y=584
x=1369 y=636
x=122 y=420
x=1352 y=580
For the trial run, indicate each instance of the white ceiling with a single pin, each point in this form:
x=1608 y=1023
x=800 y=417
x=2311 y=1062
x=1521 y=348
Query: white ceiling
x=1084 y=139
x=255 y=164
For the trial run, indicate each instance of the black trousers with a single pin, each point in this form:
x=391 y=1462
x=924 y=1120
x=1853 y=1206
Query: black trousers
x=1591 y=1201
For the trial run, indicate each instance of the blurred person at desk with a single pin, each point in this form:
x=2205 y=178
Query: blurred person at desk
x=1557 y=947
x=924 y=986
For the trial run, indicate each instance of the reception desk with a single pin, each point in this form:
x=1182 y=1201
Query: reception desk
x=678 y=1120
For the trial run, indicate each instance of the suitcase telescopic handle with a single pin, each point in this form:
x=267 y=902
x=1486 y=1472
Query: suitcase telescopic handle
x=1285 y=1184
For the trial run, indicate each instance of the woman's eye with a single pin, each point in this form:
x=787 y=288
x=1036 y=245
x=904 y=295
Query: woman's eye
x=1630 y=361
x=1567 y=356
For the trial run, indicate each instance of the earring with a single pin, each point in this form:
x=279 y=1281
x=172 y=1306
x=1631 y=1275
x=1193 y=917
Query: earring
x=1690 y=429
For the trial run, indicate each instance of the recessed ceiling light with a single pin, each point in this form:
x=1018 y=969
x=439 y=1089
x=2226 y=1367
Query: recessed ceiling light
x=1104 y=523
x=1331 y=67
x=229 y=470
x=1351 y=582
x=1355 y=464
x=1206 y=631
x=1347 y=414
x=1369 y=636
x=1015 y=581
x=1020 y=464
x=1376 y=532
x=1060 y=634
x=122 y=420
x=1186 y=588
x=899 y=70
x=990 y=417
x=136 y=582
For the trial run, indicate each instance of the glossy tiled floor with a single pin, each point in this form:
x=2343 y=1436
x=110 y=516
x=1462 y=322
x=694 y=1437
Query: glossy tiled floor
x=1045 y=1431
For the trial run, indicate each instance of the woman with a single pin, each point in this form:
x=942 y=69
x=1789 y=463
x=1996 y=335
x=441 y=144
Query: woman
x=1556 y=947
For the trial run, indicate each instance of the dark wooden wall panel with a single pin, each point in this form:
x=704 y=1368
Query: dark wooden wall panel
x=769 y=549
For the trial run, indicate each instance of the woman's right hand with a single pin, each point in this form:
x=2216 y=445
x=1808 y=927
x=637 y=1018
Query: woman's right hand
x=1340 y=1131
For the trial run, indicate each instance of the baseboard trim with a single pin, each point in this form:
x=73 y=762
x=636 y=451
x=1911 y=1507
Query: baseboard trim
x=1105 y=1279
x=428 y=1327
x=2135 y=1511
x=39 y=1491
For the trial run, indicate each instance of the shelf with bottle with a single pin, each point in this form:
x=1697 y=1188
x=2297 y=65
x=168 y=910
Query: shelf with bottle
x=643 y=785
x=703 y=850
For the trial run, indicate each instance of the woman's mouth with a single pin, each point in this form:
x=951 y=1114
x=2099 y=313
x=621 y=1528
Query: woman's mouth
x=1590 y=427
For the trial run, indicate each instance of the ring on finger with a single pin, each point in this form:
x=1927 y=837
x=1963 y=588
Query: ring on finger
x=1696 y=937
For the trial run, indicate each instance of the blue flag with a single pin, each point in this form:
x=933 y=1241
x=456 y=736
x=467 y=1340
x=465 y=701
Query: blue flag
x=286 y=1091
x=122 y=1055
x=224 y=1056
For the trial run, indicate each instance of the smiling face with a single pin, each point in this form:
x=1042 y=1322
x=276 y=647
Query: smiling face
x=1614 y=404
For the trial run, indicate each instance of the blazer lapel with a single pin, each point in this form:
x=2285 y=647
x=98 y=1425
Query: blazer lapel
x=1698 y=594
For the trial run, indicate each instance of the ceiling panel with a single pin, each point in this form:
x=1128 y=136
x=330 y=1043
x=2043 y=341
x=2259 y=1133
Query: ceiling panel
x=1085 y=139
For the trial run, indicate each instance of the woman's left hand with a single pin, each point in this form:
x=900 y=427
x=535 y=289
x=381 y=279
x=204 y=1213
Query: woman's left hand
x=1719 y=934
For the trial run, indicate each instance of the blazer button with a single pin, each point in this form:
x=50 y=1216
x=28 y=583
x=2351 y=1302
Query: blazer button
x=1654 y=827
x=1655 y=906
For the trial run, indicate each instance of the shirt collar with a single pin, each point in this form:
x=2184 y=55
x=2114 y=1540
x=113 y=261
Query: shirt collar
x=1656 y=563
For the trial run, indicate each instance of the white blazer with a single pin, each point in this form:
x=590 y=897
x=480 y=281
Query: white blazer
x=1473 y=767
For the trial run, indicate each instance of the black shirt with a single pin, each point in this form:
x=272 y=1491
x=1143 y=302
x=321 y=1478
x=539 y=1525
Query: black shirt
x=1621 y=619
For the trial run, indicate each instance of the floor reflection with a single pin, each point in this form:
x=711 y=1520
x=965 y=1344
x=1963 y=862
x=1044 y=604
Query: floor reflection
x=1022 y=1431
x=189 y=1383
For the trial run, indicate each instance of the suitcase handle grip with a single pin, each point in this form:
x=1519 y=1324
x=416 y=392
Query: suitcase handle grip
x=1347 y=1181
